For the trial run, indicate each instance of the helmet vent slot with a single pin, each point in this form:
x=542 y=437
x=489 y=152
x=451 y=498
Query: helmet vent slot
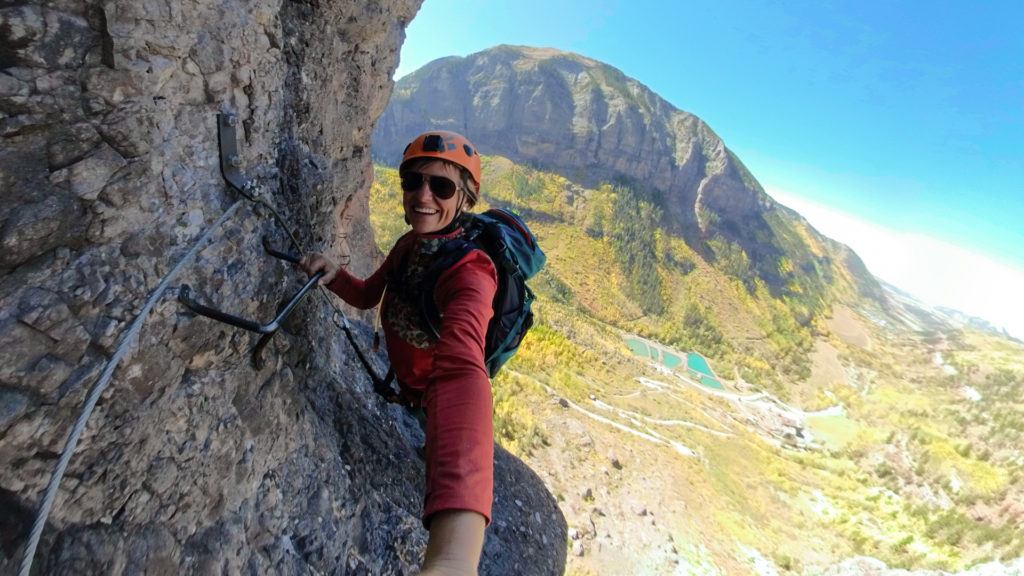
x=433 y=143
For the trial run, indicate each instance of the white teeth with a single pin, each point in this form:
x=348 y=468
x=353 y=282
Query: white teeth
x=424 y=211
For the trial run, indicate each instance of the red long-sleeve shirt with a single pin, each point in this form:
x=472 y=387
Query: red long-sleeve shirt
x=448 y=373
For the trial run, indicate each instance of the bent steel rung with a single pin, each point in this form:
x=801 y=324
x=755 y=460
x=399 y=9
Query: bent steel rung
x=267 y=329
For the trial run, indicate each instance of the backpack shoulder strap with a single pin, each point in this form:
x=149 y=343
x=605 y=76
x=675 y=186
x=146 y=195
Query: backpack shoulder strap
x=448 y=256
x=400 y=253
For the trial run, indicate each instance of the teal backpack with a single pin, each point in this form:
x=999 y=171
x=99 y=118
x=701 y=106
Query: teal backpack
x=517 y=257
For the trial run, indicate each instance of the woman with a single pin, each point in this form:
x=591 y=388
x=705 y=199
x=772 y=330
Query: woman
x=440 y=175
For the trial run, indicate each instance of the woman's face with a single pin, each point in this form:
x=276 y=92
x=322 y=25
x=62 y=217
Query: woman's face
x=425 y=211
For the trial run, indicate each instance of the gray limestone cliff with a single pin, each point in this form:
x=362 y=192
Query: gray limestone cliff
x=194 y=461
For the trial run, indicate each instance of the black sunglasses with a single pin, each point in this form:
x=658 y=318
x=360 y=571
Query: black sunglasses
x=443 y=188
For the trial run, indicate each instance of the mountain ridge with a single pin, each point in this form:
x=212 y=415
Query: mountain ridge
x=569 y=114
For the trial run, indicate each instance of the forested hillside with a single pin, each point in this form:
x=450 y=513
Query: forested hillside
x=833 y=434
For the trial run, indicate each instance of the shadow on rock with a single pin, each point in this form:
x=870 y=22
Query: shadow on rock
x=528 y=531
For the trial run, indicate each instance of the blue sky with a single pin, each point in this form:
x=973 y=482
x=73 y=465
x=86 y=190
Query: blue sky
x=906 y=117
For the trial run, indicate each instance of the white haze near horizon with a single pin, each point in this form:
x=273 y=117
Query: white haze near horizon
x=932 y=270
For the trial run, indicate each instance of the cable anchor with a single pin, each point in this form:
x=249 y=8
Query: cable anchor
x=230 y=167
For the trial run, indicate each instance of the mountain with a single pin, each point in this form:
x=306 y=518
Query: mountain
x=587 y=121
x=711 y=385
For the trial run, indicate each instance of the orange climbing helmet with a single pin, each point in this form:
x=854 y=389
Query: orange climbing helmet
x=446 y=145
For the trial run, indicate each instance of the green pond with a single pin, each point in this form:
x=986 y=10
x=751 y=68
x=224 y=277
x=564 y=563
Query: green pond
x=711 y=383
x=637 y=347
x=695 y=362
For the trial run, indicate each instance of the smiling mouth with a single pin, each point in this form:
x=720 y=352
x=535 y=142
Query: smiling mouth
x=425 y=211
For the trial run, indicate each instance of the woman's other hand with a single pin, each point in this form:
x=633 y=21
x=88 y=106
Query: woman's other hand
x=314 y=262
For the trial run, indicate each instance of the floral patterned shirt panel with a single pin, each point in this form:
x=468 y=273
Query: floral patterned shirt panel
x=401 y=311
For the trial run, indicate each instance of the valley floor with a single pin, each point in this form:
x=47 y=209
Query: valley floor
x=657 y=473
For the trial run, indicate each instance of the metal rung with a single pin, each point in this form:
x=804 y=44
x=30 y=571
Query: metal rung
x=267 y=329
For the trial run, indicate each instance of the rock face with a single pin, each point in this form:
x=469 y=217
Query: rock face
x=194 y=461
x=588 y=121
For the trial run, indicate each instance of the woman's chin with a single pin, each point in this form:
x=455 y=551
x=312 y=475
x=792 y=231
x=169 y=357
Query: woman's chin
x=425 y=225
x=418 y=225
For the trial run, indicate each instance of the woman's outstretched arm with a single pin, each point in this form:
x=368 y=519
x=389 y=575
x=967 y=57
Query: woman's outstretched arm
x=453 y=549
x=460 y=440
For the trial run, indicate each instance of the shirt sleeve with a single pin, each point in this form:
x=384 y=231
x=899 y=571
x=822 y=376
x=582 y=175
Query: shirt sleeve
x=365 y=294
x=460 y=437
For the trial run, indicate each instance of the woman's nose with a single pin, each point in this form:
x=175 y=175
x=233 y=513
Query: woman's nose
x=423 y=192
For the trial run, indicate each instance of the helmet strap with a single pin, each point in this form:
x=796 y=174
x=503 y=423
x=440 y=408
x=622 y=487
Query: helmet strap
x=462 y=203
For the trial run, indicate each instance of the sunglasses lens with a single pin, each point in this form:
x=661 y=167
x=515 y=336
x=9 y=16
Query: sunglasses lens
x=440 y=186
x=411 y=181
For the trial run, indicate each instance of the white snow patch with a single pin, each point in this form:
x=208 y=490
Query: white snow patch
x=955 y=483
x=996 y=568
x=652 y=384
x=762 y=565
x=696 y=561
x=683 y=449
x=939 y=361
x=837 y=410
x=971 y=393
x=822 y=506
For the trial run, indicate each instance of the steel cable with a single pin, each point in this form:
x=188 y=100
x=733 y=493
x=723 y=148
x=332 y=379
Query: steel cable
x=97 y=390
x=249 y=193
x=252 y=193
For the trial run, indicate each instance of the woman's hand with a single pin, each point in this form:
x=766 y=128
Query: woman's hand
x=314 y=262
